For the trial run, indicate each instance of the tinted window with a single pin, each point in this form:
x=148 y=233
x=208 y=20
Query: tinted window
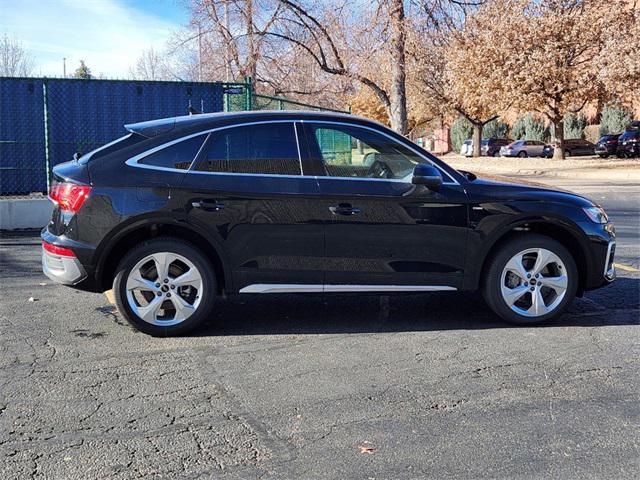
x=179 y=155
x=269 y=148
x=358 y=152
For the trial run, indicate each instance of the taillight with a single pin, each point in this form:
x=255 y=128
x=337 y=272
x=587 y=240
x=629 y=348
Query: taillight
x=55 y=250
x=69 y=196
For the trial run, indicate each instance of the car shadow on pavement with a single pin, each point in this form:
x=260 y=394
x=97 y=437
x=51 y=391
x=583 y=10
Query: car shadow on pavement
x=274 y=314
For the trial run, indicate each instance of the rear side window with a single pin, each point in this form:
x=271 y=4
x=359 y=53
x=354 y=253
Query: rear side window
x=269 y=149
x=178 y=156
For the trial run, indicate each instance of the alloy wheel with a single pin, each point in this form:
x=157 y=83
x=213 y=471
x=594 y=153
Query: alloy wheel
x=164 y=289
x=534 y=282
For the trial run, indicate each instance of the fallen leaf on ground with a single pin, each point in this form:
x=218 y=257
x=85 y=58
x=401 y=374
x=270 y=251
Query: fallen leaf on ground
x=367 y=449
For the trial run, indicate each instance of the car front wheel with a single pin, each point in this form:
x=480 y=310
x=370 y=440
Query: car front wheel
x=530 y=280
x=522 y=154
x=164 y=287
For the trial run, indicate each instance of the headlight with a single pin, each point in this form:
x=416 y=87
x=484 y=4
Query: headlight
x=596 y=214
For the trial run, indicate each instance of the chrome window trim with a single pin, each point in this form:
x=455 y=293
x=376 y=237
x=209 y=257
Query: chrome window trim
x=295 y=132
x=134 y=161
x=320 y=288
x=89 y=155
x=198 y=152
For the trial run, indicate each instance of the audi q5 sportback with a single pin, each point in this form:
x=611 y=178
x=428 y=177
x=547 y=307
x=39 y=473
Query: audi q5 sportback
x=183 y=210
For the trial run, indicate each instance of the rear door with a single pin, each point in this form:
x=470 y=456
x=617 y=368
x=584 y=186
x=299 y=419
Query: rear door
x=534 y=148
x=247 y=190
x=383 y=233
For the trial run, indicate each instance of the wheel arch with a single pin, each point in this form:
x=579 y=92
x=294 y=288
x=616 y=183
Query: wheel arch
x=562 y=233
x=134 y=234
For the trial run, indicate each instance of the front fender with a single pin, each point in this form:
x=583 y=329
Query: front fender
x=492 y=223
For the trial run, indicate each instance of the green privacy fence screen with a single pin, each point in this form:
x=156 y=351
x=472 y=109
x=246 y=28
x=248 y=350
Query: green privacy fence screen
x=44 y=121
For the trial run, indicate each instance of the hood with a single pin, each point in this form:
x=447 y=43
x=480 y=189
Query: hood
x=496 y=187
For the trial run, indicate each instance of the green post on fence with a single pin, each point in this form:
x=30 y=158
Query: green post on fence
x=47 y=143
x=249 y=89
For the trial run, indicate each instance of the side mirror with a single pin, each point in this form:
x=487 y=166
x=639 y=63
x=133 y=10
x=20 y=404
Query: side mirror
x=427 y=175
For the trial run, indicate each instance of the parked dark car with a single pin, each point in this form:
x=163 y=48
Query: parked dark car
x=607 y=145
x=573 y=147
x=491 y=146
x=629 y=141
x=184 y=210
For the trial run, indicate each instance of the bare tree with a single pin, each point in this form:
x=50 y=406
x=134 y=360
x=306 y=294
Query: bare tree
x=15 y=61
x=230 y=35
x=326 y=35
x=151 y=65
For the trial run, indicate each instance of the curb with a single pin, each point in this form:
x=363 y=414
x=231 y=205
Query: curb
x=600 y=174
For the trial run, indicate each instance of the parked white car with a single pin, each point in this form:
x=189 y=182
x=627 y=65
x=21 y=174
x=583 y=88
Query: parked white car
x=467 y=148
x=523 y=148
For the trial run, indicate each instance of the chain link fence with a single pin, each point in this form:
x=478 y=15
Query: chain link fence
x=265 y=102
x=43 y=121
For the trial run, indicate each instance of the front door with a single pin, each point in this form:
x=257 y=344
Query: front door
x=382 y=233
x=247 y=189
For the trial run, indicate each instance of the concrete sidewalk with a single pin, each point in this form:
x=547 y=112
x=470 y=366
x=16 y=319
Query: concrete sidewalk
x=587 y=168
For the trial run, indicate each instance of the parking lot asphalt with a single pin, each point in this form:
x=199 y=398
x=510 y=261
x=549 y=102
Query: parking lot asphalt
x=334 y=387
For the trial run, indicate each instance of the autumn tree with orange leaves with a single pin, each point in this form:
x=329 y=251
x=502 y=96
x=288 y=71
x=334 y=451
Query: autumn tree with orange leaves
x=544 y=55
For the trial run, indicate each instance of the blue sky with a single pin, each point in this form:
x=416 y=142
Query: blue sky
x=108 y=35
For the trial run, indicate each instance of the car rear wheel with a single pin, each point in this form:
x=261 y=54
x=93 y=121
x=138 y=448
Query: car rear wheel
x=530 y=280
x=496 y=153
x=567 y=153
x=164 y=287
x=522 y=154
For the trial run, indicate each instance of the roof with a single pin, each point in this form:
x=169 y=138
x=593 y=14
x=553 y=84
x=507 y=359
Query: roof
x=162 y=126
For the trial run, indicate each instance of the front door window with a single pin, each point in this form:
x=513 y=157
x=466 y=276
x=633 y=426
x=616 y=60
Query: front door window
x=349 y=151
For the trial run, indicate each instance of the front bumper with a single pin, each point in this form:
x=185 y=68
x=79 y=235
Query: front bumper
x=604 y=150
x=609 y=267
x=629 y=149
x=62 y=269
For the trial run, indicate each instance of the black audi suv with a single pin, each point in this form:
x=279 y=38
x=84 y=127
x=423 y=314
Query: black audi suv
x=181 y=211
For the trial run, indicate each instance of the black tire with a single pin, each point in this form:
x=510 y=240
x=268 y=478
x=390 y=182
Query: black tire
x=172 y=245
x=567 y=153
x=604 y=156
x=522 y=154
x=491 y=288
x=496 y=153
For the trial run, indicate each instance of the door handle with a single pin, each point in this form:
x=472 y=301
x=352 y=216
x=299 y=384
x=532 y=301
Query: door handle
x=208 y=205
x=344 y=209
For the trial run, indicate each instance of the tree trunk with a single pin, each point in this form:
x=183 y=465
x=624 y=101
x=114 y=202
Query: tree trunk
x=558 y=134
x=398 y=95
x=251 y=51
x=477 y=139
